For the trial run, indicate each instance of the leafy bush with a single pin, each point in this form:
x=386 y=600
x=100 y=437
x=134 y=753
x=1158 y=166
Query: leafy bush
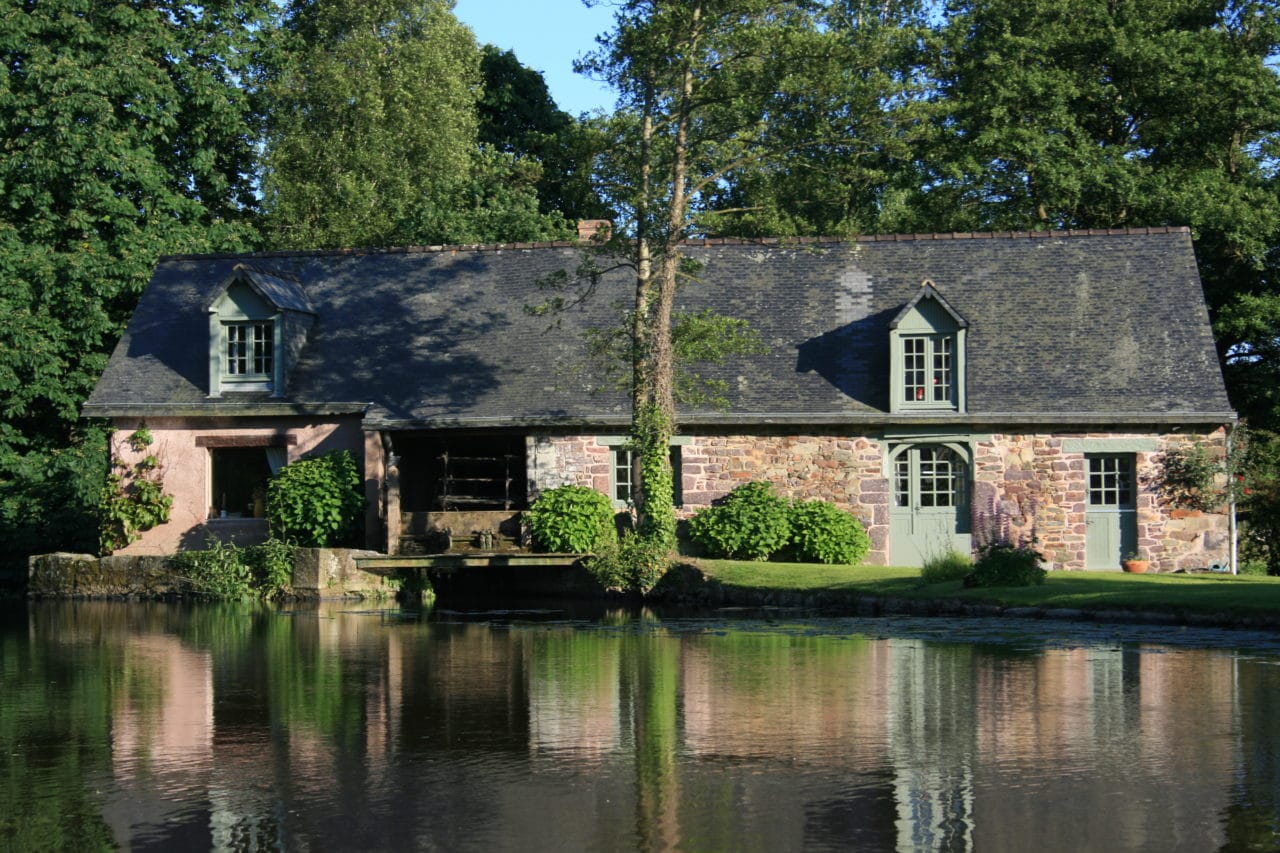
x=572 y=519
x=1187 y=478
x=317 y=502
x=632 y=564
x=824 y=533
x=220 y=571
x=950 y=565
x=1004 y=563
x=751 y=522
x=272 y=566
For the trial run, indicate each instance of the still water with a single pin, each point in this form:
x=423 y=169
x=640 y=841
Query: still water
x=164 y=726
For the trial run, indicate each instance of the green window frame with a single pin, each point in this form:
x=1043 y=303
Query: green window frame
x=1111 y=480
x=928 y=369
x=249 y=350
x=624 y=466
x=934 y=475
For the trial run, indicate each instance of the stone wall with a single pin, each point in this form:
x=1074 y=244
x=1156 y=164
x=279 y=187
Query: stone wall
x=1028 y=484
x=317 y=573
x=1033 y=486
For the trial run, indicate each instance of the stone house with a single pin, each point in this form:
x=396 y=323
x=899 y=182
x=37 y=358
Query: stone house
x=937 y=386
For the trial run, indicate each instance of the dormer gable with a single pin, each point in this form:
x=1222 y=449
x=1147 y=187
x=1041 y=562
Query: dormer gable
x=258 y=324
x=927 y=354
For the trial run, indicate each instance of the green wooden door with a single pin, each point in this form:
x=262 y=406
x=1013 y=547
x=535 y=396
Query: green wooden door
x=1110 y=520
x=930 y=511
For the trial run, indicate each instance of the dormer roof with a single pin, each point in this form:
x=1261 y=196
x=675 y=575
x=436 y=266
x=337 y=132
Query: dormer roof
x=928 y=291
x=282 y=291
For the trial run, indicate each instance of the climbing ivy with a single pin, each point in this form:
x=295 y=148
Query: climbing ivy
x=133 y=499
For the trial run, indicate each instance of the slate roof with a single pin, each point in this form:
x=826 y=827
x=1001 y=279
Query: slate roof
x=1069 y=328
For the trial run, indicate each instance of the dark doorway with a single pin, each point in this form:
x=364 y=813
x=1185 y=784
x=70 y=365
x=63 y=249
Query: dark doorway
x=473 y=471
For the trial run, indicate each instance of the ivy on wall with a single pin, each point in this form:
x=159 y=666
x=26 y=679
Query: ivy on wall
x=133 y=499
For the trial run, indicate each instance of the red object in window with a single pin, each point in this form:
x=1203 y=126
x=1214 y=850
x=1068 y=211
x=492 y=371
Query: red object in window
x=919 y=393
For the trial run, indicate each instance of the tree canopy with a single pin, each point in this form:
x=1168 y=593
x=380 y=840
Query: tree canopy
x=373 y=134
x=127 y=131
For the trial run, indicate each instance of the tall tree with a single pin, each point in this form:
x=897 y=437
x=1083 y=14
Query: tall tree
x=696 y=79
x=851 y=131
x=519 y=117
x=126 y=131
x=1105 y=113
x=373 y=133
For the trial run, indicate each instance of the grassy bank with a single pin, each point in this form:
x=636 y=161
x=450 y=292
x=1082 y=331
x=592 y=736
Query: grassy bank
x=1191 y=593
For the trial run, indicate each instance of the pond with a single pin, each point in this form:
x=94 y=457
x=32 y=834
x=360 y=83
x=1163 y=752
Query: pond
x=346 y=726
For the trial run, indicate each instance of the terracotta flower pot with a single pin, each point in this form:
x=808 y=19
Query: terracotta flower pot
x=1136 y=567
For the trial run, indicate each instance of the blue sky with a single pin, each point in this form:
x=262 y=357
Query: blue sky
x=547 y=35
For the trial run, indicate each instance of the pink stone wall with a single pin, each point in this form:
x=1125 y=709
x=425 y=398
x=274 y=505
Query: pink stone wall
x=185 y=468
x=1032 y=486
x=1026 y=483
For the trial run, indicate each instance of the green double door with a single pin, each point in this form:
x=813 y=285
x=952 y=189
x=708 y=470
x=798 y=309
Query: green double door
x=930 y=509
x=1111 y=518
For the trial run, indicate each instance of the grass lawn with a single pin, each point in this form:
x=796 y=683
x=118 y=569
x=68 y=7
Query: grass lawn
x=1197 y=593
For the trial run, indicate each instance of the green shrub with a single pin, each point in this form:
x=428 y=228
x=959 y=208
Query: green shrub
x=1003 y=563
x=632 y=564
x=571 y=519
x=271 y=564
x=951 y=565
x=751 y=523
x=317 y=502
x=824 y=533
x=219 y=572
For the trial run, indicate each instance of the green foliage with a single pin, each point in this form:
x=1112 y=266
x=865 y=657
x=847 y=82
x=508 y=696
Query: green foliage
x=752 y=522
x=824 y=533
x=950 y=565
x=318 y=501
x=630 y=564
x=350 y=159
x=226 y=572
x=1260 y=501
x=219 y=572
x=128 y=133
x=1188 y=478
x=571 y=519
x=518 y=116
x=133 y=499
x=271 y=565
x=1005 y=563
x=50 y=496
x=652 y=431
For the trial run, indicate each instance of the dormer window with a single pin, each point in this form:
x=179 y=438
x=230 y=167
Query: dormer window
x=250 y=350
x=927 y=355
x=258 y=324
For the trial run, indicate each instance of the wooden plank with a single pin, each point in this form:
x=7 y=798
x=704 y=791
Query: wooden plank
x=386 y=565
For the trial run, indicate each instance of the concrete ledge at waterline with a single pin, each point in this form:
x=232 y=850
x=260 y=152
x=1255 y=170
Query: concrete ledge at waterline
x=334 y=573
x=317 y=573
x=64 y=575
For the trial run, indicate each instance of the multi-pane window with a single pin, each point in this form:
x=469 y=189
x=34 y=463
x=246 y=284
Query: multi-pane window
x=928 y=369
x=250 y=349
x=1111 y=481
x=626 y=475
x=933 y=476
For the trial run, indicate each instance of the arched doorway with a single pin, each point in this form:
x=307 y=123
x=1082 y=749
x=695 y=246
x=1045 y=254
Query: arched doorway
x=929 y=513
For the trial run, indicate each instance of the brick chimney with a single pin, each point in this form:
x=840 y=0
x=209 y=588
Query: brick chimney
x=590 y=229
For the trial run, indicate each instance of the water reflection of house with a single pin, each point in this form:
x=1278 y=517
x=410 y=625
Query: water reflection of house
x=161 y=738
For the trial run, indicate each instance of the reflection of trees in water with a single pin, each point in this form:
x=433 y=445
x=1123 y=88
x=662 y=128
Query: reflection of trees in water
x=1252 y=819
x=630 y=733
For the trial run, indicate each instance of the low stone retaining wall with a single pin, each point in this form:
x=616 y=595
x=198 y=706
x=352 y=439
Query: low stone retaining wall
x=317 y=573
